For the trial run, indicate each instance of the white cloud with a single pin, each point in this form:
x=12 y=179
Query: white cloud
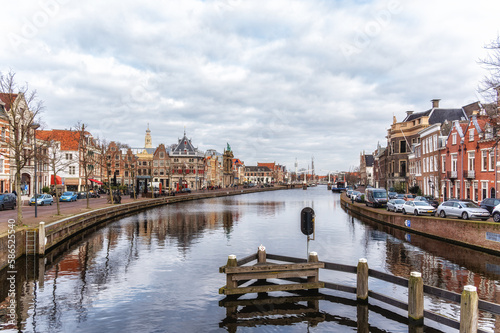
x=277 y=80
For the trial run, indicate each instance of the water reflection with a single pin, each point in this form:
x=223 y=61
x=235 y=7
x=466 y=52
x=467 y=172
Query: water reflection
x=157 y=270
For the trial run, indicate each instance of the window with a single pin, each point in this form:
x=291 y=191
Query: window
x=3 y=133
x=489 y=132
x=471 y=134
x=126 y=173
x=69 y=156
x=162 y=155
x=72 y=170
x=155 y=163
x=1 y=166
x=402 y=146
x=424 y=147
x=454 y=139
x=454 y=162
x=435 y=142
x=471 y=160
x=443 y=163
x=484 y=160
x=435 y=163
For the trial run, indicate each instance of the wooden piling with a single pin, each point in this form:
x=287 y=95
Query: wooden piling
x=313 y=257
x=41 y=239
x=261 y=254
x=231 y=262
x=469 y=310
x=362 y=280
x=416 y=299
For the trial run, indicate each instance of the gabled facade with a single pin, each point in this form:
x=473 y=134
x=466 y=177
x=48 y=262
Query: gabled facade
x=188 y=165
x=161 y=167
x=403 y=136
x=455 y=155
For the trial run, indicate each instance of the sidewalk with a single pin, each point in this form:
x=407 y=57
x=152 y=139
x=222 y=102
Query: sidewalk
x=48 y=215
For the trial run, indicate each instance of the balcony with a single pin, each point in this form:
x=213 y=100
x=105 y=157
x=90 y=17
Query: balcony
x=451 y=175
x=470 y=174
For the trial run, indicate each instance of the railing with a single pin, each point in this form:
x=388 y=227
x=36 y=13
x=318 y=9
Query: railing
x=470 y=174
x=468 y=300
x=451 y=174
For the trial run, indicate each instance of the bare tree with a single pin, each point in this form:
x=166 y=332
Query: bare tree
x=23 y=110
x=490 y=85
x=87 y=151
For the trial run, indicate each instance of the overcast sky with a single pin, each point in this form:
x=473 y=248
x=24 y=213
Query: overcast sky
x=277 y=80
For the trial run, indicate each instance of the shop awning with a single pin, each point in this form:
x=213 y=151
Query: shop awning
x=96 y=181
x=57 y=182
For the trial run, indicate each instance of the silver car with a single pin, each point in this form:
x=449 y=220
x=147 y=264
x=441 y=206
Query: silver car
x=418 y=208
x=463 y=209
x=395 y=205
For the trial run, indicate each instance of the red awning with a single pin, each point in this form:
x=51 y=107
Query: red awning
x=58 y=180
x=96 y=181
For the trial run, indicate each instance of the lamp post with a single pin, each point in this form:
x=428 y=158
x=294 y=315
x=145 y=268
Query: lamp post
x=35 y=126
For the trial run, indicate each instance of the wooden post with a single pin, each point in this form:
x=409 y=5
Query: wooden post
x=416 y=299
x=261 y=254
x=468 y=310
x=41 y=239
x=231 y=262
x=313 y=257
x=362 y=284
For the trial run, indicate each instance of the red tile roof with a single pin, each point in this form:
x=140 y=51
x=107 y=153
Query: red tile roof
x=8 y=99
x=68 y=139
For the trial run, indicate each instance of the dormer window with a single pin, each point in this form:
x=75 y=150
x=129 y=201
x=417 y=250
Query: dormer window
x=471 y=134
x=454 y=139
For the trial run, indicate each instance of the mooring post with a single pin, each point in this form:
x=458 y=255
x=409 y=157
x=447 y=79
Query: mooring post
x=231 y=262
x=261 y=254
x=313 y=257
x=416 y=299
x=468 y=310
x=41 y=239
x=362 y=284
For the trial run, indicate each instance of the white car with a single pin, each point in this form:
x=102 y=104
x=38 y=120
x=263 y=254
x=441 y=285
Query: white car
x=395 y=205
x=418 y=208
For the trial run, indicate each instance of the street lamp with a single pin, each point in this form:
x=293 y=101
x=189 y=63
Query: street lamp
x=35 y=126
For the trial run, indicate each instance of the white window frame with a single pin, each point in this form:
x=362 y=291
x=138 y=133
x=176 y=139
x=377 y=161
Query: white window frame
x=471 y=134
x=484 y=160
x=471 y=158
x=443 y=163
x=454 y=138
x=454 y=162
x=492 y=160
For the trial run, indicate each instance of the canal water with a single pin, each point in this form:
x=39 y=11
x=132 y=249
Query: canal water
x=158 y=271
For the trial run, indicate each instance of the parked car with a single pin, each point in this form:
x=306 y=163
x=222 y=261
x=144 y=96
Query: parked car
x=400 y=196
x=354 y=194
x=7 y=200
x=395 y=205
x=463 y=209
x=375 y=197
x=418 y=208
x=348 y=193
x=392 y=195
x=489 y=204
x=409 y=197
x=360 y=197
x=42 y=199
x=496 y=213
x=430 y=201
x=68 y=196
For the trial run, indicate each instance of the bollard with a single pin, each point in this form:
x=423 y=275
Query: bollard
x=231 y=262
x=261 y=254
x=41 y=239
x=468 y=310
x=313 y=257
x=362 y=283
x=416 y=299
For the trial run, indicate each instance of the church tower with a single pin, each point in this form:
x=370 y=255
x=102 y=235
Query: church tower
x=148 y=143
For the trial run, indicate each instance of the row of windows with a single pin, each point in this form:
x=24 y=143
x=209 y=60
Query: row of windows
x=487 y=161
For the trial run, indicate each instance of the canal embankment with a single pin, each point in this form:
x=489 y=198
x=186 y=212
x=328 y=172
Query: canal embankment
x=41 y=237
x=478 y=235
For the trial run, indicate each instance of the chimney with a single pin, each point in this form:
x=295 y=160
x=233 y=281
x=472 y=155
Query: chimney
x=435 y=103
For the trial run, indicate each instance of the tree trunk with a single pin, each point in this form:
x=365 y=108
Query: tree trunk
x=19 y=199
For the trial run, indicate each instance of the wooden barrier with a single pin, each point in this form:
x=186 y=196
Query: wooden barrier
x=237 y=275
